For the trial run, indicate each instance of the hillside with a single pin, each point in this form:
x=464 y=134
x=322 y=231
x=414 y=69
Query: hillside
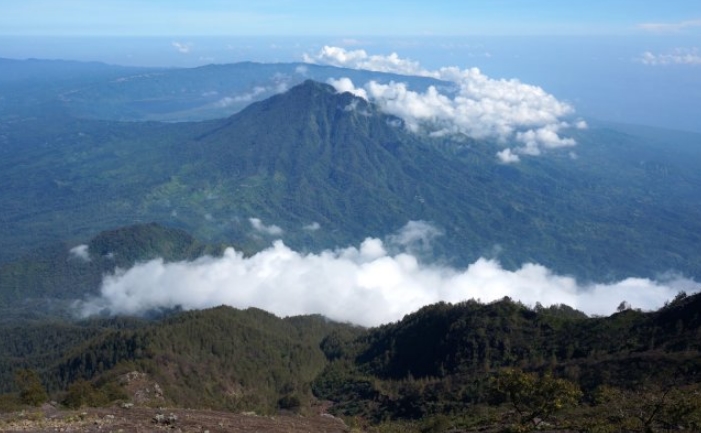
x=310 y=157
x=220 y=358
x=444 y=365
x=450 y=360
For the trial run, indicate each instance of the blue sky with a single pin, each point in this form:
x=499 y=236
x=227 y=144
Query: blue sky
x=357 y=17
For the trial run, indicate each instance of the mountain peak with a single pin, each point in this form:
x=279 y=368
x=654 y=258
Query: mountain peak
x=315 y=95
x=309 y=113
x=313 y=86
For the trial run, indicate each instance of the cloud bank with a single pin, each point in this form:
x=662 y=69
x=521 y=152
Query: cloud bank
x=678 y=56
x=482 y=107
x=377 y=282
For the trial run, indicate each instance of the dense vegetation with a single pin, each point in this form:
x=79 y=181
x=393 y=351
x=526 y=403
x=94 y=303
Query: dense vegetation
x=468 y=365
x=219 y=358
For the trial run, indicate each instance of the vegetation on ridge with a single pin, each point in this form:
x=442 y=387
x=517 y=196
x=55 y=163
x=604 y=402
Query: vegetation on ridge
x=467 y=365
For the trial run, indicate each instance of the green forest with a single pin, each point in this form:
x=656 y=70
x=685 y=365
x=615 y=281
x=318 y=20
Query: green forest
x=465 y=366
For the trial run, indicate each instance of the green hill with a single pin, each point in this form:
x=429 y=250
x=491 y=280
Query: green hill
x=219 y=358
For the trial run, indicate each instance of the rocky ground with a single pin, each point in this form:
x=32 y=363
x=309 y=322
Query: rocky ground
x=143 y=419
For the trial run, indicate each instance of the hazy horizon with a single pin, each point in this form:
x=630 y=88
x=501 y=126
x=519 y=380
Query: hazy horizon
x=628 y=79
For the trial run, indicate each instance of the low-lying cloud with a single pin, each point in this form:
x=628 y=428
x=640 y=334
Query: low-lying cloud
x=673 y=27
x=377 y=282
x=80 y=252
x=182 y=47
x=258 y=226
x=678 y=56
x=482 y=107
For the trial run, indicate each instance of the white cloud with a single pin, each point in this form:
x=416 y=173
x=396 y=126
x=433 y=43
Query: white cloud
x=183 y=48
x=507 y=156
x=481 y=107
x=367 y=285
x=678 y=56
x=359 y=59
x=312 y=227
x=415 y=237
x=245 y=97
x=346 y=85
x=80 y=252
x=670 y=27
x=545 y=137
x=271 y=230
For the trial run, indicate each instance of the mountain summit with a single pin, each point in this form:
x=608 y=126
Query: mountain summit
x=314 y=155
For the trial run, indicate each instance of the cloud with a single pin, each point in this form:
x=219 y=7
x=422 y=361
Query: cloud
x=481 y=107
x=183 y=48
x=507 y=156
x=545 y=137
x=678 y=56
x=80 y=252
x=415 y=237
x=312 y=227
x=271 y=230
x=374 y=283
x=246 y=97
x=346 y=85
x=359 y=59
x=670 y=27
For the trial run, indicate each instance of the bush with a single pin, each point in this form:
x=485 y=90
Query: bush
x=31 y=391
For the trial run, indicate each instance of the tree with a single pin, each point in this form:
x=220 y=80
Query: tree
x=82 y=393
x=31 y=391
x=534 y=398
x=649 y=409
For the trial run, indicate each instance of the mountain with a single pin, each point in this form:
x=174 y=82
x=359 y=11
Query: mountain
x=311 y=157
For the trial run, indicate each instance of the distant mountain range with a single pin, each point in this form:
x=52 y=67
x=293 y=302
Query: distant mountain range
x=101 y=91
